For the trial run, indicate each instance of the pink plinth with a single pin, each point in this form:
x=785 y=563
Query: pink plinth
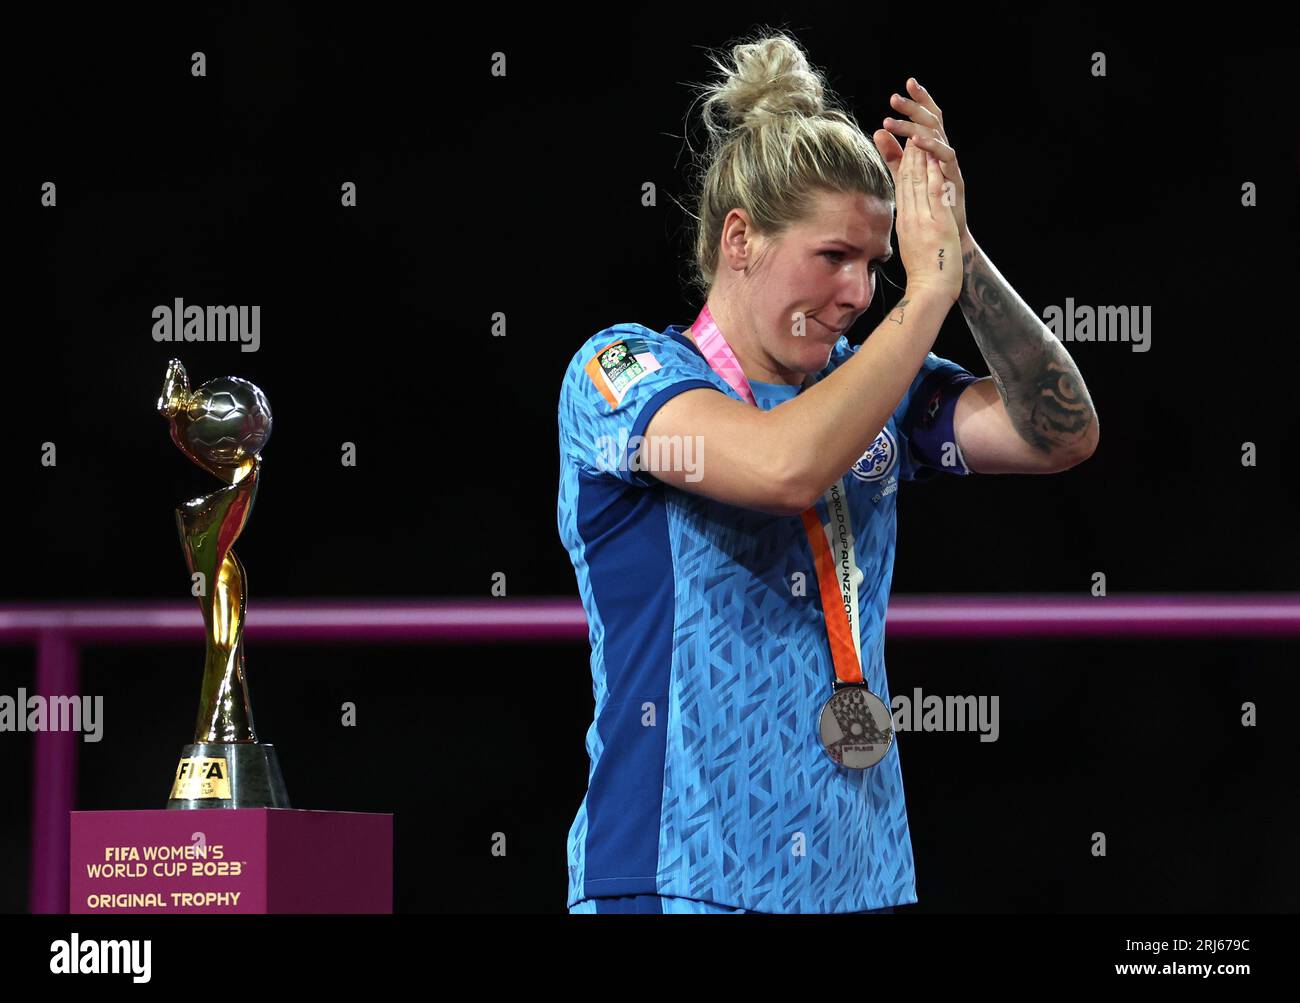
x=231 y=860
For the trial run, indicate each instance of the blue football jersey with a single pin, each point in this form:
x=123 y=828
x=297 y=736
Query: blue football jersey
x=710 y=664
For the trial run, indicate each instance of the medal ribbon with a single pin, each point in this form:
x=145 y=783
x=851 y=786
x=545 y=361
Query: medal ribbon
x=833 y=546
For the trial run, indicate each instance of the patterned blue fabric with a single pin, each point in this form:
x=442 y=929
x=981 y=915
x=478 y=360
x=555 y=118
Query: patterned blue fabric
x=662 y=905
x=710 y=662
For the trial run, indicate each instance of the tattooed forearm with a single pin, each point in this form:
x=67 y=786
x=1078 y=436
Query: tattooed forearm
x=897 y=314
x=1039 y=383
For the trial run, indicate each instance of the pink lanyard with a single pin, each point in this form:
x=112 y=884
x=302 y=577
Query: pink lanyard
x=838 y=585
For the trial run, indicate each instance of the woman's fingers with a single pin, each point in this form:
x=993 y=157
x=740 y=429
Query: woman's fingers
x=906 y=191
x=922 y=97
x=900 y=186
x=916 y=111
x=935 y=145
x=946 y=154
x=934 y=188
x=920 y=202
x=907 y=129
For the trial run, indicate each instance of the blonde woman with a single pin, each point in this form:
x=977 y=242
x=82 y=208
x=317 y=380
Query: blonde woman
x=728 y=493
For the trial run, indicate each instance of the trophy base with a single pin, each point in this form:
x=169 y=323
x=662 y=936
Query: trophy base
x=228 y=775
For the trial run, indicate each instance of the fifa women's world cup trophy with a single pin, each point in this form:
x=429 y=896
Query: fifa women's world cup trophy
x=221 y=426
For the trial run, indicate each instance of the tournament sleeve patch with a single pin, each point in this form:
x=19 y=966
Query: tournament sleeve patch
x=619 y=365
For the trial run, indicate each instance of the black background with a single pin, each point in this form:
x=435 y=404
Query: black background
x=522 y=194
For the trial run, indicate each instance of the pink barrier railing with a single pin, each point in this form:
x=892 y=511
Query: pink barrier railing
x=58 y=630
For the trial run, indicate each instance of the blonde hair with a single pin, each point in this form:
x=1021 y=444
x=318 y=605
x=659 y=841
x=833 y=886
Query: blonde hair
x=775 y=137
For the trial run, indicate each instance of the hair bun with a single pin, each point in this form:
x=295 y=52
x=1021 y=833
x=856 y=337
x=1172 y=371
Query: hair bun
x=769 y=76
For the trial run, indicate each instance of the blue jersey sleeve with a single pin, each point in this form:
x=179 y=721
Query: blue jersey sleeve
x=613 y=387
x=924 y=421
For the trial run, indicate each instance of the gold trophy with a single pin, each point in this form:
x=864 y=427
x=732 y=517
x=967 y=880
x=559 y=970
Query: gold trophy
x=222 y=426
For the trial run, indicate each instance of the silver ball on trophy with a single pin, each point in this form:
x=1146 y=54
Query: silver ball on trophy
x=231 y=421
x=221 y=424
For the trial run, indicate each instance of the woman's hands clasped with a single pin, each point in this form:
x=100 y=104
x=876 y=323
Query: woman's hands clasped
x=928 y=238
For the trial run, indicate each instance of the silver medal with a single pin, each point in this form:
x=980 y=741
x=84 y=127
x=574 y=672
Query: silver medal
x=856 y=728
